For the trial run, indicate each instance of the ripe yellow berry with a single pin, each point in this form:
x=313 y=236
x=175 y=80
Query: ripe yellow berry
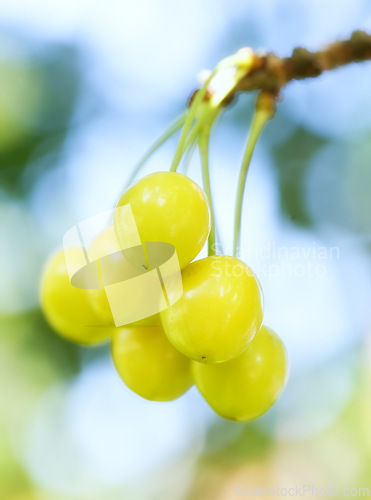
x=67 y=308
x=168 y=207
x=219 y=313
x=246 y=387
x=149 y=365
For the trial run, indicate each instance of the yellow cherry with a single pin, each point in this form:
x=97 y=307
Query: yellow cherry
x=219 y=312
x=67 y=308
x=168 y=207
x=246 y=387
x=149 y=365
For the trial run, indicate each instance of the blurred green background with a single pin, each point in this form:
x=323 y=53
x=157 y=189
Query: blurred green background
x=85 y=87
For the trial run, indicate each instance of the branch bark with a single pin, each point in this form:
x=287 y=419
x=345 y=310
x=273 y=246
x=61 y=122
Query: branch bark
x=271 y=72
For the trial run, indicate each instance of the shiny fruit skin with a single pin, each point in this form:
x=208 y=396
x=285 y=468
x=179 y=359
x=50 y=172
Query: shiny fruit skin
x=149 y=365
x=168 y=207
x=246 y=387
x=105 y=244
x=67 y=308
x=219 y=313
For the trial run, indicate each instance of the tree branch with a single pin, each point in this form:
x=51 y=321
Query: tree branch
x=271 y=73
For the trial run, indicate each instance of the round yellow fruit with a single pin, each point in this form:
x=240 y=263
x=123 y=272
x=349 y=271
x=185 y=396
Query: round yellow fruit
x=168 y=207
x=219 y=312
x=246 y=387
x=68 y=309
x=149 y=365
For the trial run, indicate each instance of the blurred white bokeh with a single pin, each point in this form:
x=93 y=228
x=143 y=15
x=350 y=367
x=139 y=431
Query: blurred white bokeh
x=96 y=435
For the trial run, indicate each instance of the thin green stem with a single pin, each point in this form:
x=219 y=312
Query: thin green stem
x=193 y=135
x=203 y=144
x=218 y=239
x=174 y=127
x=188 y=155
x=190 y=117
x=261 y=117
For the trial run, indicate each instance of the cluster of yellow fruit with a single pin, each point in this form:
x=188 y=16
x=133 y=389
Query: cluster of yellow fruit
x=211 y=337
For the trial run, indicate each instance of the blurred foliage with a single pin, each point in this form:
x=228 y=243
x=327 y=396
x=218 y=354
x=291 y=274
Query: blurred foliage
x=292 y=158
x=242 y=443
x=38 y=96
x=31 y=358
x=28 y=335
x=13 y=479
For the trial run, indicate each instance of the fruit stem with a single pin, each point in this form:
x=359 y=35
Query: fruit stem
x=174 y=127
x=190 y=116
x=242 y=59
x=203 y=144
x=188 y=155
x=264 y=111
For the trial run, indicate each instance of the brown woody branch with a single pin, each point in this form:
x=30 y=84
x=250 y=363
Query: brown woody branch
x=271 y=73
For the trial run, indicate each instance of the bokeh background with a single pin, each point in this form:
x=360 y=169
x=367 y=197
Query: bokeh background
x=85 y=87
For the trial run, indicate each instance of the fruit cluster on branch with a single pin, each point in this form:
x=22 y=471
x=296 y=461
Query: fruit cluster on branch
x=213 y=334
